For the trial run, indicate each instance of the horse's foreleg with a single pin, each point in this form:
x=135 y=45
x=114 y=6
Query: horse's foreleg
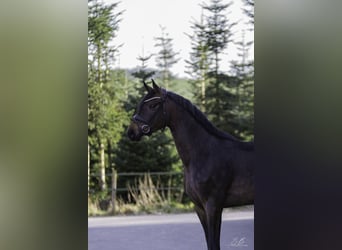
x=214 y=217
x=203 y=219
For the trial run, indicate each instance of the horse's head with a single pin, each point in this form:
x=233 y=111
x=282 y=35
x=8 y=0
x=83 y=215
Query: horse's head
x=150 y=114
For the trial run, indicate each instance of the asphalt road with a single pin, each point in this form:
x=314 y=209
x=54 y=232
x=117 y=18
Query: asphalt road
x=168 y=232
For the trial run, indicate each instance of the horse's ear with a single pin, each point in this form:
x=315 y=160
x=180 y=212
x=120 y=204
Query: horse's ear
x=148 y=88
x=155 y=87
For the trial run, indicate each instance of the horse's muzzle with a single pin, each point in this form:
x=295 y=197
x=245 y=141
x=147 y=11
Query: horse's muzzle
x=134 y=133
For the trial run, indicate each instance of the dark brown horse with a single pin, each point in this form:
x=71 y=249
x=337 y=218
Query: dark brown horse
x=218 y=168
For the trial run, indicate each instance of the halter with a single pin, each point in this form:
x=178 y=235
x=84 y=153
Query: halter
x=146 y=127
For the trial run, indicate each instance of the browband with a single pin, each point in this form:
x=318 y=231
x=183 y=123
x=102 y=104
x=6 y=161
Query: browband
x=156 y=97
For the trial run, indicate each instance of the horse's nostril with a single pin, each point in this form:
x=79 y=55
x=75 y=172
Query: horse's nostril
x=131 y=134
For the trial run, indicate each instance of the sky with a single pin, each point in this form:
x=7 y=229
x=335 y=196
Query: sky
x=141 y=23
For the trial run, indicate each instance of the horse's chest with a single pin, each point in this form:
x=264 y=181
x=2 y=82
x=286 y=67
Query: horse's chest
x=197 y=187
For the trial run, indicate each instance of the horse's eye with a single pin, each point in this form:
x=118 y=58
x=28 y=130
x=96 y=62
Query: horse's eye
x=154 y=105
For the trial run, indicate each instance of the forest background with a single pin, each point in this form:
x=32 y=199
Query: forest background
x=223 y=90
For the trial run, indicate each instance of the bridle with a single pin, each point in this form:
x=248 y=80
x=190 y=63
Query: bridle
x=146 y=125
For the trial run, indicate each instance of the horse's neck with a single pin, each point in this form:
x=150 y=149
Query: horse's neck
x=188 y=136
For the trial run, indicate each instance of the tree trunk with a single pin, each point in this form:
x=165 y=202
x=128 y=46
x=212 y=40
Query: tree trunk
x=203 y=90
x=99 y=51
x=102 y=168
x=109 y=154
x=88 y=167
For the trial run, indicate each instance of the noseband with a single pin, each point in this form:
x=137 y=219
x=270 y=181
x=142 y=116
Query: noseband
x=146 y=125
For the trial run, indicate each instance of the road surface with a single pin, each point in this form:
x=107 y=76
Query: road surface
x=168 y=232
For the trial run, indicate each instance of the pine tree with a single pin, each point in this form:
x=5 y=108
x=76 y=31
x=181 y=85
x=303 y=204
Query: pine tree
x=143 y=74
x=198 y=63
x=244 y=72
x=249 y=10
x=103 y=111
x=166 y=57
x=218 y=34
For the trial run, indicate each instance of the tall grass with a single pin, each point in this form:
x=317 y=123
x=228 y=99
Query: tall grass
x=145 y=196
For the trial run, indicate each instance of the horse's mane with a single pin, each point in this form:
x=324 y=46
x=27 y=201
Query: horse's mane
x=203 y=120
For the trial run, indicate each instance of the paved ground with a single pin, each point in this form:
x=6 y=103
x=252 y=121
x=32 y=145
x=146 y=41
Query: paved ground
x=168 y=232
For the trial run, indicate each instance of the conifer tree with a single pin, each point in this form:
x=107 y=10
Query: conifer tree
x=218 y=34
x=243 y=70
x=103 y=109
x=249 y=10
x=198 y=63
x=166 y=56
